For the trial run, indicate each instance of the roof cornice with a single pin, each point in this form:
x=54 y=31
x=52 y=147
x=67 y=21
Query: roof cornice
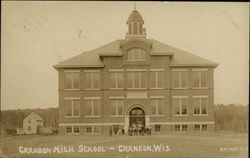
x=188 y=65
x=76 y=66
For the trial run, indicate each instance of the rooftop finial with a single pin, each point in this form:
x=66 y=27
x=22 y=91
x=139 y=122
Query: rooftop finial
x=135 y=5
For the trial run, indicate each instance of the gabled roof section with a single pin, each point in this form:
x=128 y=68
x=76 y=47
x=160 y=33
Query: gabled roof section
x=159 y=48
x=180 y=58
x=35 y=116
x=92 y=58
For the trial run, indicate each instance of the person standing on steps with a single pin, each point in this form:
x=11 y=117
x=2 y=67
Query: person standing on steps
x=110 y=131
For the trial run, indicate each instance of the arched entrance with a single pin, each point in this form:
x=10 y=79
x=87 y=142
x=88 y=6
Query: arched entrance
x=138 y=114
x=137 y=117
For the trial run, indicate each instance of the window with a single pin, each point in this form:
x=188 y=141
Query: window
x=200 y=78
x=92 y=129
x=130 y=28
x=177 y=128
x=136 y=79
x=135 y=28
x=29 y=128
x=116 y=107
x=68 y=129
x=157 y=106
x=180 y=128
x=92 y=79
x=116 y=80
x=72 y=106
x=156 y=79
x=92 y=106
x=72 y=80
x=140 y=28
x=89 y=129
x=136 y=54
x=76 y=129
x=137 y=111
x=204 y=127
x=200 y=105
x=72 y=129
x=180 y=106
x=197 y=127
x=196 y=103
x=157 y=128
x=184 y=127
x=96 y=129
x=180 y=78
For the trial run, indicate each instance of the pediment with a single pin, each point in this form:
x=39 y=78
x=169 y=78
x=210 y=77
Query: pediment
x=138 y=43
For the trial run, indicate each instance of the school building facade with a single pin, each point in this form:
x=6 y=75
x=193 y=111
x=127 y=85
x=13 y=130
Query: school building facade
x=136 y=81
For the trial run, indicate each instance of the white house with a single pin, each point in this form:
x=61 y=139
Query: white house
x=31 y=123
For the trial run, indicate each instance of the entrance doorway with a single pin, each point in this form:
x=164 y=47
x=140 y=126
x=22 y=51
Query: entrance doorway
x=137 y=118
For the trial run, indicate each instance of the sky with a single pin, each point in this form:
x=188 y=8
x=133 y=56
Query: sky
x=37 y=35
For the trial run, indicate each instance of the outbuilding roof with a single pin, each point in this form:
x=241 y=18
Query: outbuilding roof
x=35 y=116
x=92 y=58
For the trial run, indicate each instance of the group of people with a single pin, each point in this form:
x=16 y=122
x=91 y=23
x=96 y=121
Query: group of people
x=116 y=131
x=137 y=130
x=133 y=130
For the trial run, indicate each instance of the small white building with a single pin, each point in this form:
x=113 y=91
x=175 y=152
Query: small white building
x=31 y=123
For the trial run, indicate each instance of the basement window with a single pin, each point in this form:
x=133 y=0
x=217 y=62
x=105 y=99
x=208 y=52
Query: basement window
x=157 y=128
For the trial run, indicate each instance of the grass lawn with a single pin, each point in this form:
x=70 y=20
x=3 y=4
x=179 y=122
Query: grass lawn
x=182 y=145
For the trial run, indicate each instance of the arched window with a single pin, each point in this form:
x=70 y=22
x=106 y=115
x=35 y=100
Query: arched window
x=137 y=112
x=136 y=54
x=135 y=28
x=140 y=28
x=130 y=28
